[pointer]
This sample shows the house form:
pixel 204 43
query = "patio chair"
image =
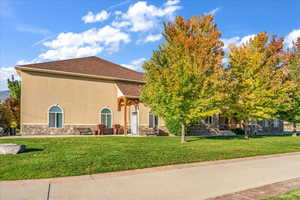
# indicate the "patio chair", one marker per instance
pixel 100 129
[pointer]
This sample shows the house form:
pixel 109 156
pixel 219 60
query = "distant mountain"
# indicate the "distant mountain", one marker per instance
pixel 4 95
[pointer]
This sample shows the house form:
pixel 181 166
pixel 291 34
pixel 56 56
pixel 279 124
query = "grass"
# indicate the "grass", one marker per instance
pixel 291 195
pixel 70 156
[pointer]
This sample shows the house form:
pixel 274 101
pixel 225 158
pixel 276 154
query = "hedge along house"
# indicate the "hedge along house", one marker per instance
pixel 64 97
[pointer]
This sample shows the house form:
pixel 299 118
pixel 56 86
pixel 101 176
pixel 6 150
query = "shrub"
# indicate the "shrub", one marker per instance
pixel 6 117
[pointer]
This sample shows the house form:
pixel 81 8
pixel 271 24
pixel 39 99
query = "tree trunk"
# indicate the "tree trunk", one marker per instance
pixel 294 129
pixel 246 128
pixel 183 133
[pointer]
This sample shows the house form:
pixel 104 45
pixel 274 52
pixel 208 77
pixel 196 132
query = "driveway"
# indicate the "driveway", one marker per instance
pixel 190 181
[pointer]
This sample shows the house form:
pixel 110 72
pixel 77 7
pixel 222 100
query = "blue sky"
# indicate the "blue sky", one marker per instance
pixel 125 32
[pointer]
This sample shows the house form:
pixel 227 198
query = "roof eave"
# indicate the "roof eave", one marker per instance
pixel 21 68
pixel 133 97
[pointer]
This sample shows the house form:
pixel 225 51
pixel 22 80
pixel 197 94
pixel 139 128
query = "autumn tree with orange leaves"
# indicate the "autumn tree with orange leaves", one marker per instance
pixel 255 86
pixel 183 75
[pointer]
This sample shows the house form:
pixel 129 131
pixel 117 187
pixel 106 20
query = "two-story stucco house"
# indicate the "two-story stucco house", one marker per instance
pixel 61 97
pixel 65 97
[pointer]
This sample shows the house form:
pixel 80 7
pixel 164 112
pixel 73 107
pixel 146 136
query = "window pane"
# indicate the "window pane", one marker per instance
pixel 108 121
pixel 58 120
pixel 151 124
pixel 51 119
pixel 103 119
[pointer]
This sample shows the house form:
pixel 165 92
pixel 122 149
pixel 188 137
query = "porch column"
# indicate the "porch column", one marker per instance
pixel 125 117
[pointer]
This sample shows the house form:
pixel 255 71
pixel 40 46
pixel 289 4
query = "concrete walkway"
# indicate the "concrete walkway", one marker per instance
pixel 190 181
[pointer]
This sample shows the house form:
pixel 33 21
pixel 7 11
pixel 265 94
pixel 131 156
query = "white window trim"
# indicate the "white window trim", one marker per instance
pixel 100 115
pixel 63 116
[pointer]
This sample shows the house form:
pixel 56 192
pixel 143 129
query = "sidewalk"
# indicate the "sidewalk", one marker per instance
pixel 188 181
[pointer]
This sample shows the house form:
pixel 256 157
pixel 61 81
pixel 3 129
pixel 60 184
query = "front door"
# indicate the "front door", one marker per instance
pixel 134 122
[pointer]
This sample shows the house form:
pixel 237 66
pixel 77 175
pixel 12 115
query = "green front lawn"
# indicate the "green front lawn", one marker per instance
pixel 292 195
pixel 70 156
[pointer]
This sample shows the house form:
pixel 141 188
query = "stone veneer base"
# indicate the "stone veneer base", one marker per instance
pixel 45 130
pixel 72 130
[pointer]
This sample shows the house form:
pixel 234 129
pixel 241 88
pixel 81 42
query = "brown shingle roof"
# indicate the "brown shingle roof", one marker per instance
pixel 129 89
pixel 89 66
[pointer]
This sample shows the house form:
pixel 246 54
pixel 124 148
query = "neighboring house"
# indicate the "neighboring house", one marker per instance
pixel 219 125
pixel 4 95
pixel 62 97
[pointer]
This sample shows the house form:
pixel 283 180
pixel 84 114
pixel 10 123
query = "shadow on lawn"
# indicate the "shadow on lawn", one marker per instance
pixel 197 138
pixel 238 137
pixel 32 150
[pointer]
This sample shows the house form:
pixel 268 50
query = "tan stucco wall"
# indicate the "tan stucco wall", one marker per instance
pixel 80 98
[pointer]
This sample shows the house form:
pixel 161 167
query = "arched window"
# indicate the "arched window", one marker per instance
pixel 106 118
pixel 55 117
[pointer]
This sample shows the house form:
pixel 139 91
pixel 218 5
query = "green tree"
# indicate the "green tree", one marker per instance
pixel 14 87
pixel 182 77
pixel 292 62
pixel 254 87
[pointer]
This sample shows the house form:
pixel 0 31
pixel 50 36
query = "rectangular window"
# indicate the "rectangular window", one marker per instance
pixel 276 123
pixel 153 121
pixel 266 123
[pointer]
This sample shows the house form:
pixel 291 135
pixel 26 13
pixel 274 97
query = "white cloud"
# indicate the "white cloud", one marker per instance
pixel 92 18
pixel 71 52
pixel 214 11
pixel 135 64
pixel 172 2
pixel 230 41
pixel 118 12
pixel 291 37
pixel 246 39
pixel 5 73
pixel 237 41
pixel 143 17
pixel 87 43
pixel 151 38
pixel 120 24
